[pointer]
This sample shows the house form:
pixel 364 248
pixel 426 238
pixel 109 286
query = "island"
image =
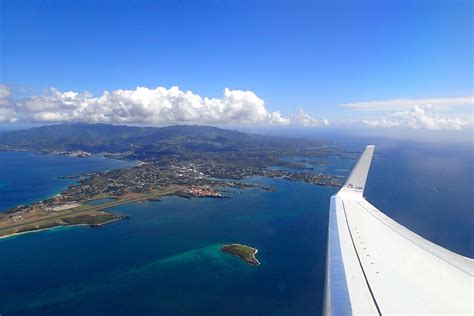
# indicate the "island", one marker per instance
pixel 244 252
pixel 185 161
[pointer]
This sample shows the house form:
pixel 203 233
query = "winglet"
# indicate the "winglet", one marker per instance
pixel 355 183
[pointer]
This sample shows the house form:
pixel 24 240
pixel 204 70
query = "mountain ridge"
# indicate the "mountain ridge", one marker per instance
pixel 148 143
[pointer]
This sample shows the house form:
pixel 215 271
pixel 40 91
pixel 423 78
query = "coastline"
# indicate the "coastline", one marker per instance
pixel 98 165
pixel 60 226
pixel 39 230
pixel 38 152
pixel 254 261
pixel 90 211
pixel 255 258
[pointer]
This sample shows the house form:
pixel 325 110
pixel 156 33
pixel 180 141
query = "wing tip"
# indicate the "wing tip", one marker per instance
pixel 356 181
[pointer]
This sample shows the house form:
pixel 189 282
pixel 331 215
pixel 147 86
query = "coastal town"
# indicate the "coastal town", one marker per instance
pixel 147 181
pixel 184 161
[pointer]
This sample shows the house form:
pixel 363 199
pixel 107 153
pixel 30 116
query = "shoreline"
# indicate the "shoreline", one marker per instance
pixel 253 262
pixel 39 230
pixel 255 258
pixel 89 210
pixel 102 155
pixel 61 226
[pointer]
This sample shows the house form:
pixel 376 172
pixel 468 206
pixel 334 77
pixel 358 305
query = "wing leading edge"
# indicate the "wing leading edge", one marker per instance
pixel 376 266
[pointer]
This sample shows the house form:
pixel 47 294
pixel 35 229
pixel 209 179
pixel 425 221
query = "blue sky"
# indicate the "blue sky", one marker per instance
pixel 313 55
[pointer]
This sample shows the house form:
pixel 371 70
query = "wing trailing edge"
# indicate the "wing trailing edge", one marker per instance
pixel 375 266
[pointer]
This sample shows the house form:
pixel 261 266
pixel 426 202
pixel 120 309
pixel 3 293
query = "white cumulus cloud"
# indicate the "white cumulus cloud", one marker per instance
pixel 7 111
pixel 7 115
pixel 423 117
pixel 4 95
pixel 148 106
pixel 301 118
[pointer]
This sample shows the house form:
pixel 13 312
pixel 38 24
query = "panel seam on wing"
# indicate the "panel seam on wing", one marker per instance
pixel 360 263
pixel 413 242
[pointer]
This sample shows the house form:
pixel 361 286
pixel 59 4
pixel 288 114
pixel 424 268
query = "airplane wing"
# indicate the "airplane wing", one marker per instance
pixel 375 266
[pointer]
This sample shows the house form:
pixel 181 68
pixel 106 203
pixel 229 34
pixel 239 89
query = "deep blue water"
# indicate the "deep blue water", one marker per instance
pixel 27 177
pixel 427 187
pixel 165 260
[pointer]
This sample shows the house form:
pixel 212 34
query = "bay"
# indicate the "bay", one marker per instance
pixel 166 259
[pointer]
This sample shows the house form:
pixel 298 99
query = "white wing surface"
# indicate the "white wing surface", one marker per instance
pixel 375 266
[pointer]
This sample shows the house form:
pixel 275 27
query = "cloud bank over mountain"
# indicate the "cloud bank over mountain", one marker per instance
pixel 146 106
pixel 162 106
pixel 153 106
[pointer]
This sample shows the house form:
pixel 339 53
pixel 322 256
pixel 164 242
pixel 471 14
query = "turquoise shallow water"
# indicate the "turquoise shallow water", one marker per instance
pixel 166 260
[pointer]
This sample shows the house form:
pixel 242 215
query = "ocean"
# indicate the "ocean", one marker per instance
pixel 26 177
pixel 166 259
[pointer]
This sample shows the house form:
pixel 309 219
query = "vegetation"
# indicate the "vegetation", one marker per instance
pixel 166 145
pixel 95 219
pixel 20 220
pixel 184 160
pixel 245 252
pixel 90 219
pixel 31 228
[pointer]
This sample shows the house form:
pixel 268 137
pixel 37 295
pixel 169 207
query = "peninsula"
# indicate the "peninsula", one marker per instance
pixel 246 253
pixel 40 216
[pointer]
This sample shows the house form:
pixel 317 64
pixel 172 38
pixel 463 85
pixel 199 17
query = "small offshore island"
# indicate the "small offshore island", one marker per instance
pixel 186 161
pixel 246 253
